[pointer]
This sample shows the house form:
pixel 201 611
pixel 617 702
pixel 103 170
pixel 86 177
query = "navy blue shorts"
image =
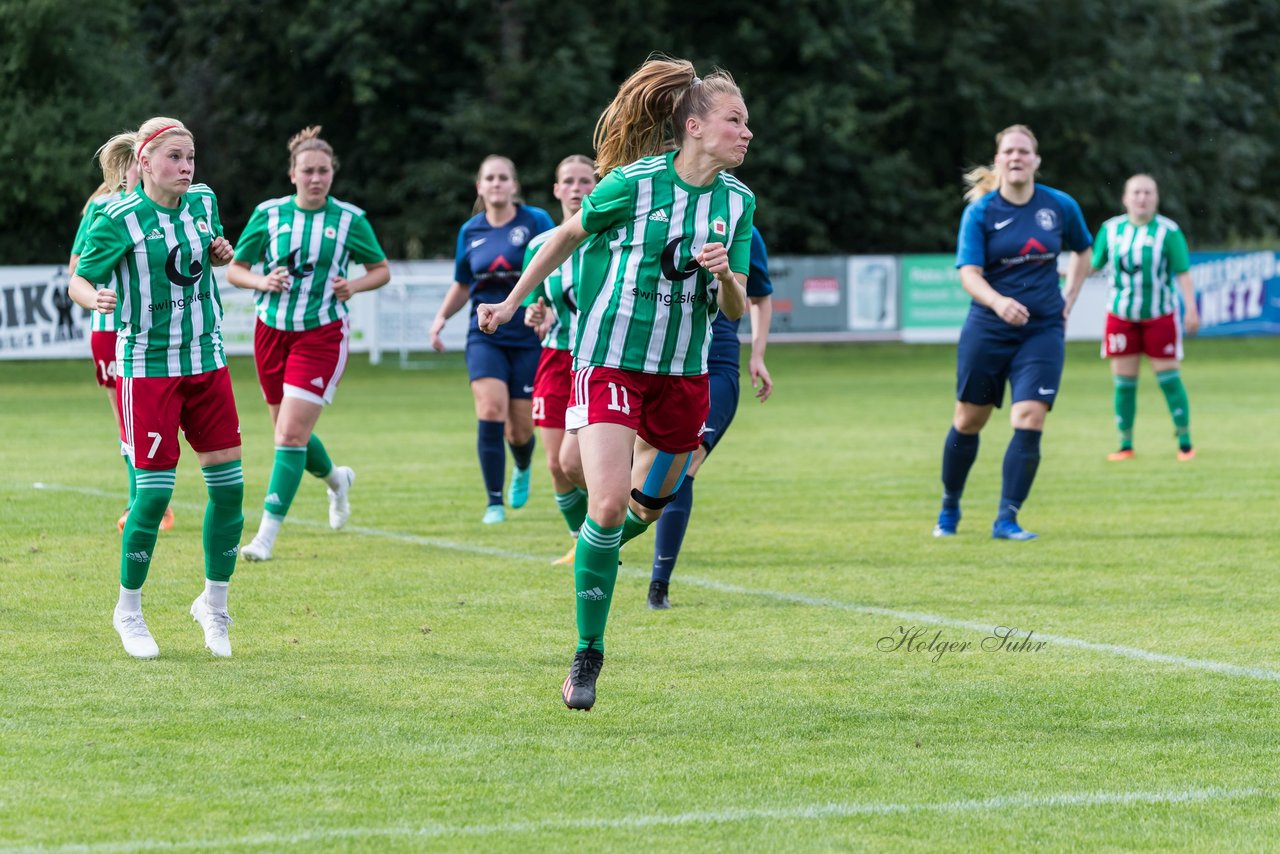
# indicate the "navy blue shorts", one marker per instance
pixel 1029 358
pixel 515 366
pixel 724 404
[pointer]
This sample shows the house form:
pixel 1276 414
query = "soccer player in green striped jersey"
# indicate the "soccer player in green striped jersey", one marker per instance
pixel 162 242
pixel 552 308
pixel 1147 253
pixel 671 249
pixel 119 178
pixel 304 242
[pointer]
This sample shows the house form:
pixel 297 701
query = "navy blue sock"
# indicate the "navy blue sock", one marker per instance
pixel 958 454
pixel 669 534
pixel 523 454
pixel 1020 463
pixel 493 459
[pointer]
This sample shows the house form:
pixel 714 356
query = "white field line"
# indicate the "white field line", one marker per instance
pixel 1220 667
pixel 803 812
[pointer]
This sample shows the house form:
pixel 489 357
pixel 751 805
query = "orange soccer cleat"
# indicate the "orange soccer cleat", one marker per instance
pixel 1188 454
pixel 166 523
pixel 1122 454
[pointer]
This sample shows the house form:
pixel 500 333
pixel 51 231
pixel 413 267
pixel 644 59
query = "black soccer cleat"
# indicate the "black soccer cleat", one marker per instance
pixel 658 600
pixel 579 689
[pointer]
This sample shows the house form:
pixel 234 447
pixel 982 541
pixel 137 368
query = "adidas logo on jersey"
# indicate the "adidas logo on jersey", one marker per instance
pixel 285 228
pixel 659 216
pixel 595 594
pixel 138 557
pixel 318 382
pixel 155 234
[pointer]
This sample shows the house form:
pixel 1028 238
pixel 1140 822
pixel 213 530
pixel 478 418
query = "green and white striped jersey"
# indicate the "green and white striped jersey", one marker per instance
pixel 559 291
pixel 315 246
pixel 99 322
pixel 645 305
pixel 168 305
pixel 1145 260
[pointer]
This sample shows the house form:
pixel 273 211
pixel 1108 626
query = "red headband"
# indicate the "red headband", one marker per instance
pixel 146 141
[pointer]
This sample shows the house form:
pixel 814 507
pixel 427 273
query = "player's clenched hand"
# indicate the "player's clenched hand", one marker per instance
pixel 1011 311
pixel 342 288
pixel 275 281
pixel 714 257
pixel 489 316
pixel 105 301
pixel 534 314
pixel 221 251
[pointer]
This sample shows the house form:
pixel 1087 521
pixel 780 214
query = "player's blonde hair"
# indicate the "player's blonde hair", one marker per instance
pixel 575 158
pixel 308 139
pixel 115 157
pixel 652 105
pixel 515 178
pixel 157 129
pixel 983 179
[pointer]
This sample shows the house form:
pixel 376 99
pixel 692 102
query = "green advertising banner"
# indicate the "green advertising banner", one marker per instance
pixel 934 304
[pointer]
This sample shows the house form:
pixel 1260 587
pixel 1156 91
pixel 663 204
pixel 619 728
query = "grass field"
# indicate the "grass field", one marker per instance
pixel 395 685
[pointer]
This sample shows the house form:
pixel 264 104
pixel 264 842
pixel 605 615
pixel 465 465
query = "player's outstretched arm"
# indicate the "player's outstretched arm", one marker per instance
pixel 553 253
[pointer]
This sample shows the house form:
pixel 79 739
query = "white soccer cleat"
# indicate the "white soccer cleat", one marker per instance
pixel 215 625
pixel 134 634
pixel 257 550
pixel 339 505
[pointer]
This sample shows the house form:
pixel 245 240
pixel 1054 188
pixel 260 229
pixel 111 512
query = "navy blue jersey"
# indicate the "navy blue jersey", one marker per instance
pixel 1017 247
pixel 489 260
pixel 724 349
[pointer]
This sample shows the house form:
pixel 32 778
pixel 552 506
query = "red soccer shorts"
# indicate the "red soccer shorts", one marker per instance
pixel 1158 338
pixel 152 409
pixel 551 388
pixel 306 365
pixel 670 413
pixel 103 347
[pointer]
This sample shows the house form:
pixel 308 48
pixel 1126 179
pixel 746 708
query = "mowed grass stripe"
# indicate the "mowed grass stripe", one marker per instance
pixel 809 812
pixel 1219 667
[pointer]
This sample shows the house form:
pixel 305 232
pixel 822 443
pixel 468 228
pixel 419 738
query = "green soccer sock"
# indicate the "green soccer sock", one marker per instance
pixel 1126 405
pixel 1175 395
pixel 223 519
pixel 633 527
pixel 133 486
pixel 286 474
pixel 573 507
pixel 154 489
pixel 595 569
pixel 318 462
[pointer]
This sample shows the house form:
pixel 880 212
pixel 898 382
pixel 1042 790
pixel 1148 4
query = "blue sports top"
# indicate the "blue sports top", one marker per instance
pixel 725 348
pixel 1017 247
pixel 488 261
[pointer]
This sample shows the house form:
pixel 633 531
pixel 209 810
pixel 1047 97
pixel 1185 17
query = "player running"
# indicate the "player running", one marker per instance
pixel 501 367
pixel 1148 252
pixel 162 242
pixel 305 243
pixel 676 232
pixel 552 306
pixel 1011 235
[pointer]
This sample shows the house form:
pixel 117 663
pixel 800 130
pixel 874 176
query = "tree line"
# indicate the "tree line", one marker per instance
pixel 866 112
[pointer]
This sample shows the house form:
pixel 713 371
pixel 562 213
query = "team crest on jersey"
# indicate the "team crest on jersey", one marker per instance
pixel 719 227
pixel 202 226
pixel 1046 219
pixel 330 232
pixel 519 236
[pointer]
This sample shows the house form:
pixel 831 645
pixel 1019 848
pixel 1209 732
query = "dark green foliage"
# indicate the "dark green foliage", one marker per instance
pixel 866 112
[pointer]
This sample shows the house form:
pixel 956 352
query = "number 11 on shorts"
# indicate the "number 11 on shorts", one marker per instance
pixel 614 389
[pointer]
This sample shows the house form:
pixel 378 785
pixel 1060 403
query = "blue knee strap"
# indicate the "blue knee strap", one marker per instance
pixel 649 496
